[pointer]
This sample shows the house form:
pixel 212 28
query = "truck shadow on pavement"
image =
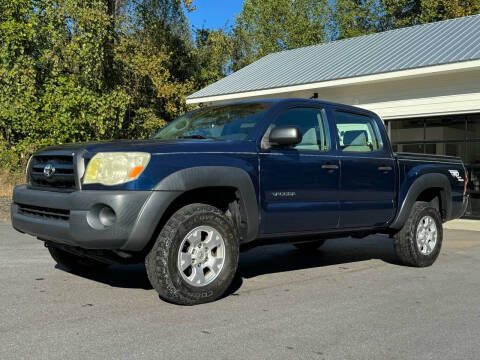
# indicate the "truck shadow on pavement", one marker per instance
pixel 269 259
pixel 285 257
pixel 121 276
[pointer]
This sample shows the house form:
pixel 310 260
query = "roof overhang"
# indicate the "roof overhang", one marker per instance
pixel 388 76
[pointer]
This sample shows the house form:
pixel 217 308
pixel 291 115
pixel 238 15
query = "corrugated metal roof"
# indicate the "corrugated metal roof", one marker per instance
pixel 418 46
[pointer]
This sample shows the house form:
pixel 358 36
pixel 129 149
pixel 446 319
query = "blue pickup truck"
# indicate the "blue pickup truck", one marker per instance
pixel 228 177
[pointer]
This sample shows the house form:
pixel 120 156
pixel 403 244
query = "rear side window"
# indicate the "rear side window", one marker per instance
pixel 312 125
pixel 357 133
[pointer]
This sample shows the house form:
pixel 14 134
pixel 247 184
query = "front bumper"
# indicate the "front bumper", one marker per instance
pixel 73 218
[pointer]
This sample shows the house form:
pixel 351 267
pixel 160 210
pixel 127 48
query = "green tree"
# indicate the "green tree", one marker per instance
pixel 356 17
pixel 155 53
pixel 18 104
pixel 266 26
pixel 77 70
pixel 401 13
pixel 213 50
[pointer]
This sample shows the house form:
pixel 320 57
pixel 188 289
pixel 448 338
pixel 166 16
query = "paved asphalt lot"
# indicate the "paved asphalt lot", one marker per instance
pixel 348 301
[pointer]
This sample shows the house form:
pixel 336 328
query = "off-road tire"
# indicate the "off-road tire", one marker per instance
pixel 161 261
pixel 405 241
pixel 310 246
pixel 75 263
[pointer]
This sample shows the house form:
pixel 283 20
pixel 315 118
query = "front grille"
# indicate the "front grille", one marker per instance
pixel 43 212
pixel 62 177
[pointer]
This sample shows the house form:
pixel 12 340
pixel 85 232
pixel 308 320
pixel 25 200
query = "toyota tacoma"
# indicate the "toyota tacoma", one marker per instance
pixel 228 177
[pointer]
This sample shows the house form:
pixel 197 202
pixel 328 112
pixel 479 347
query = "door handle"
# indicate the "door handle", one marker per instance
pixel 384 168
pixel 330 167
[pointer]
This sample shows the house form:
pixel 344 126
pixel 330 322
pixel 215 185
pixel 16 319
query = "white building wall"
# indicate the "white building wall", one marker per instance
pixel 431 94
pixel 453 93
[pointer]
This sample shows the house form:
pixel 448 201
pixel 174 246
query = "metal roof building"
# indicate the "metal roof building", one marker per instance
pixel 454 44
pixel 424 81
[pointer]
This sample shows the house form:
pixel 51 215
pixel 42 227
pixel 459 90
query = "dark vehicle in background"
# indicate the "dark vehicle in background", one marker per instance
pixel 229 177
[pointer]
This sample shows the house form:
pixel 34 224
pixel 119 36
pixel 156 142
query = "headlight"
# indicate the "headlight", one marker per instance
pixel 114 168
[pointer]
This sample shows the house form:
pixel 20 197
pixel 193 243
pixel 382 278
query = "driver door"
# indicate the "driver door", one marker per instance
pixel 299 185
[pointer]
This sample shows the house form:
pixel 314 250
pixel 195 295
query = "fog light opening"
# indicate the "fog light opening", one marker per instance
pixel 101 216
pixel 107 216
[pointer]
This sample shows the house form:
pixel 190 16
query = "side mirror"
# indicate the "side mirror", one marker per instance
pixel 285 136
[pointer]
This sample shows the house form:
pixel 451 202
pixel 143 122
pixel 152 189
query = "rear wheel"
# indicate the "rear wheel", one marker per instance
pixel 310 246
pixel 75 263
pixel 419 242
pixel 195 256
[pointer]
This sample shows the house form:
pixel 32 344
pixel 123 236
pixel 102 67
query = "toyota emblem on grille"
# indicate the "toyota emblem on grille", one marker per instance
pixel 48 171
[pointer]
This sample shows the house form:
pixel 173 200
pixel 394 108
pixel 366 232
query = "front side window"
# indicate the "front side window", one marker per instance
pixel 312 126
pixel 357 133
pixel 227 122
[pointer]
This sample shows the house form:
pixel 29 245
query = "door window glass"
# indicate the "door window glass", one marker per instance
pixel 357 133
pixel 312 126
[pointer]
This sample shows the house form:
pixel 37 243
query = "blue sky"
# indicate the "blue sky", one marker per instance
pixel 213 14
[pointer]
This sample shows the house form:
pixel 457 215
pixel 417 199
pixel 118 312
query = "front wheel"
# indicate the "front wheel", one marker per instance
pixel 195 256
pixel 419 242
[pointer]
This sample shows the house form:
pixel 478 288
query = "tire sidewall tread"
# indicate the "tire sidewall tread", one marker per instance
pixel 161 262
pixel 405 242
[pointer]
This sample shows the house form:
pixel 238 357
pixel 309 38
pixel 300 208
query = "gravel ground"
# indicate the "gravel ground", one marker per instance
pixel 351 300
pixel 5 208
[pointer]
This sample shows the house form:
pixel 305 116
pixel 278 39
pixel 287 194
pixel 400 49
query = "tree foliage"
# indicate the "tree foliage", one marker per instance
pixel 74 70
pixel 402 13
pixel 356 17
pixel 78 70
pixel 360 17
pixel 214 49
pixel 266 26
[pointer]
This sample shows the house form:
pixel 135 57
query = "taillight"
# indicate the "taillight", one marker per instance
pixel 465 184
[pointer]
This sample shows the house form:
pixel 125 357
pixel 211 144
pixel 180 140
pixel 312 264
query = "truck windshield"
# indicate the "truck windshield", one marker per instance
pixel 227 122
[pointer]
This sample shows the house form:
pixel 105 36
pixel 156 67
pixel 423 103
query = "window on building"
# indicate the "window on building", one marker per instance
pixel 473 127
pixel 411 148
pixel 445 128
pixel 445 148
pixel 407 130
pixel 454 135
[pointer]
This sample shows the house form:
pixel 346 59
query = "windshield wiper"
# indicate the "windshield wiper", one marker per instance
pixel 195 137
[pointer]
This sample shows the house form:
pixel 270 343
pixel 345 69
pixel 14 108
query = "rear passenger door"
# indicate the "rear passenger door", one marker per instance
pixel 299 185
pixel 367 180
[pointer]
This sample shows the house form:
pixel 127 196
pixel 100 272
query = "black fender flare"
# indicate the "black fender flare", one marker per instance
pixel 422 183
pixel 212 176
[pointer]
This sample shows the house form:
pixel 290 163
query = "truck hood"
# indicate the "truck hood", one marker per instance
pixel 154 146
